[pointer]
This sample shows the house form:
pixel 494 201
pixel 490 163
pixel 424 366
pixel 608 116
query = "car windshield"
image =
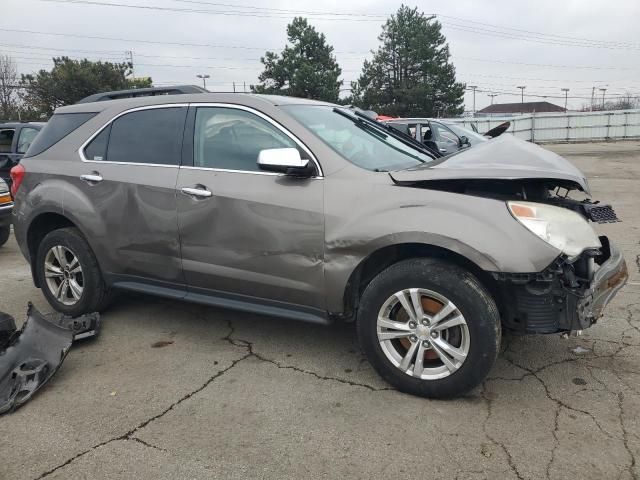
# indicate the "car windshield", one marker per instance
pixel 362 142
pixel 470 134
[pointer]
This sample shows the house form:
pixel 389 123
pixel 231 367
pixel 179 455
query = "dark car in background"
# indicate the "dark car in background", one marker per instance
pixel 15 139
pixel 6 205
pixel 443 137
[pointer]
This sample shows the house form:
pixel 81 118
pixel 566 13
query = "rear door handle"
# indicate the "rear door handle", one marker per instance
pixel 91 178
pixel 201 192
pixel 443 150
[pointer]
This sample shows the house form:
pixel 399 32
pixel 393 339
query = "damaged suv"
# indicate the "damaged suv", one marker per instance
pixel 311 211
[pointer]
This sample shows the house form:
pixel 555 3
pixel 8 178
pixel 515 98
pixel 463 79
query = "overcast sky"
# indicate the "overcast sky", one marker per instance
pixel 575 44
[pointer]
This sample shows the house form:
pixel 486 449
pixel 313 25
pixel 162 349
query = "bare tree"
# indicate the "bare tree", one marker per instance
pixel 8 87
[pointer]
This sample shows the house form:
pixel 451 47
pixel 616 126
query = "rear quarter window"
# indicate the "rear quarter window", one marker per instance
pixel 58 127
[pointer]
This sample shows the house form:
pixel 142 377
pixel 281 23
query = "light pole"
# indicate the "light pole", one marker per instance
pixel 602 90
pixel 492 95
pixel 522 87
pixel 566 96
pixel 204 77
pixel 473 88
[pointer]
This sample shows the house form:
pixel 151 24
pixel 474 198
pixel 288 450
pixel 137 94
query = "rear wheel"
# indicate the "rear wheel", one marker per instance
pixel 4 235
pixel 69 274
pixel 429 328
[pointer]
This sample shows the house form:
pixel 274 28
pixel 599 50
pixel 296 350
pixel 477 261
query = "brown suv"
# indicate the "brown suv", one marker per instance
pixel 312 211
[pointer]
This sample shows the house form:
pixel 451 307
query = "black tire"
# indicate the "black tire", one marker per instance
pixel 4 234
pixel 472 300
pixel 95 294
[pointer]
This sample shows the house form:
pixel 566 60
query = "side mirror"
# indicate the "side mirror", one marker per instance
pixel 284 160
pixel 464 141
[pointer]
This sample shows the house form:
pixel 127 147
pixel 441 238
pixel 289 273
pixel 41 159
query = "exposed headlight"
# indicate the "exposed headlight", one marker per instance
pixel 564 229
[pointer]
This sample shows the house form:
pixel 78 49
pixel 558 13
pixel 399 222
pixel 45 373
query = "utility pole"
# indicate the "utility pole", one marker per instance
pixel 234 87
pixel 522 87
pixel 473 88
pixel 566 96
pixel 204 77
pixel 129 55
pixel 492 95
pixel 593 94
pixel 244 87
pixel 602 90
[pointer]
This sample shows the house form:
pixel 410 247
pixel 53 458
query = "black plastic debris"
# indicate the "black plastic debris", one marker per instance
pixel 86 326
pixel 31 356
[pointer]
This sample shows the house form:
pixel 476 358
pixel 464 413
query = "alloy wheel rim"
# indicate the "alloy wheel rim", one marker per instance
pixel 423 334
pixel 63 275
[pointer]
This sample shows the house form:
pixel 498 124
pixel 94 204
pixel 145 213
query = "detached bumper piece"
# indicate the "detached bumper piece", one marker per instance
pixel 31 356
pixel 565 297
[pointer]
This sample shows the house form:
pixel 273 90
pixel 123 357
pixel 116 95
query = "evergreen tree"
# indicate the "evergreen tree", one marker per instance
pixel 410 73
pixel 305 68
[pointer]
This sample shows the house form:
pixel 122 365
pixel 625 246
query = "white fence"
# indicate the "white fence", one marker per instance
pixel 565 127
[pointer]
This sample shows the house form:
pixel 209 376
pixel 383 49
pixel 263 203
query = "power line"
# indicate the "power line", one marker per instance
pixel 496 31
pixel 152 42
pixel 383 16
pixel 564 37
pixel 237 13
pixel 539 95
pixel 514 36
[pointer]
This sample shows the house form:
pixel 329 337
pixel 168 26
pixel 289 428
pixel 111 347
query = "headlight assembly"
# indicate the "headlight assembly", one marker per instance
pixel 564 229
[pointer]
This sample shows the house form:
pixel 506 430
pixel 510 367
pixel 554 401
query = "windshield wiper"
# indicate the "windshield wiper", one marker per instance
pixel 387 129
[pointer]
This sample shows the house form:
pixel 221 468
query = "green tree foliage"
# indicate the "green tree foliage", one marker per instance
pixel 306 68
pixel 70 80
pixel 410 73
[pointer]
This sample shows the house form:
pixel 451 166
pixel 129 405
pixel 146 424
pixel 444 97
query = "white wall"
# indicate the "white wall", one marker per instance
pixel 564 127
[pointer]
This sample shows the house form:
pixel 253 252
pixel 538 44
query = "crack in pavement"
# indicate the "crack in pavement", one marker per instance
pixel 625 438
pixel 249 346
pixel 146 444
pixel 489 404
pixel 559 402
pixel 129 435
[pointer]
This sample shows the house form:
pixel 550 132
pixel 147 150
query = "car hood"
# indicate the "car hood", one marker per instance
pixel 503 158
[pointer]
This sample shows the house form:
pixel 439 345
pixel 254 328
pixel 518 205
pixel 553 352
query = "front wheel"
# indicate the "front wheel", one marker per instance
pixel 429 328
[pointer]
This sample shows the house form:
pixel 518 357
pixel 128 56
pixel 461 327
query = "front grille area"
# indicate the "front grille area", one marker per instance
pixel 601 213
pixel 539 313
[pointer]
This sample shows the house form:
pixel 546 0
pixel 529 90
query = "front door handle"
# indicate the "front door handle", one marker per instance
pixel 91 178
pixel 201 192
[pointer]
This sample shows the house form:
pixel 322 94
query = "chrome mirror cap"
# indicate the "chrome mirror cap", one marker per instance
pixel 281 159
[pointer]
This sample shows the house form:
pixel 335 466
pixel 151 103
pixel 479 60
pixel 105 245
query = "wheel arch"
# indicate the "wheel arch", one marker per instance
pixel 39 227
pixel 384 257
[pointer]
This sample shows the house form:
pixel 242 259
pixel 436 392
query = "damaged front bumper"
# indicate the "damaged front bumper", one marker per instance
pixel 565 297
pixel 31 356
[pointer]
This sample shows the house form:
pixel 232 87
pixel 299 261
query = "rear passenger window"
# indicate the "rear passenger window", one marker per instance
pixel 25 139
pixel 6 139
pixel 97 149
pixel 152 136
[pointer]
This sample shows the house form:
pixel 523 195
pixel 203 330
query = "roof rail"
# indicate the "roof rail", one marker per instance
pixel 143 92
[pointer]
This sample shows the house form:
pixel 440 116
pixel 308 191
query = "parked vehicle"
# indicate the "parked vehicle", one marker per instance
pixel 311 211
pixel 15 139
pixel 6 205
pixel 442 137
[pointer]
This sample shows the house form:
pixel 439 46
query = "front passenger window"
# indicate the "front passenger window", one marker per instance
pixel 231 139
